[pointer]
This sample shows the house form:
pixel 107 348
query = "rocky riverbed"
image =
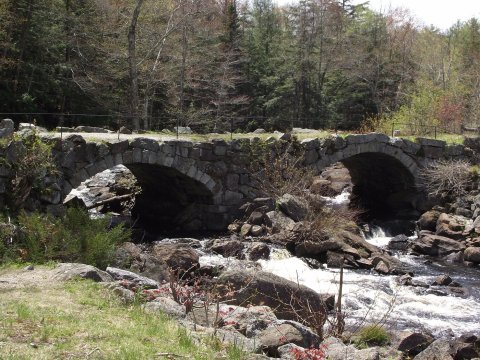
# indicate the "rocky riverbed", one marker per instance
pixel 267 280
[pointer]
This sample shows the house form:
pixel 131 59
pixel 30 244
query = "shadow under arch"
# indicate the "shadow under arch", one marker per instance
pixel 170 200
pixel 383 186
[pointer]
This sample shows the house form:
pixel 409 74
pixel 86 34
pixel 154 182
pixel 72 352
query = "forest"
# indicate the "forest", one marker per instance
pixel 219 65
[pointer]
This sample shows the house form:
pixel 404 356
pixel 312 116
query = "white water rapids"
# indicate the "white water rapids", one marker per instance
pixel 371 298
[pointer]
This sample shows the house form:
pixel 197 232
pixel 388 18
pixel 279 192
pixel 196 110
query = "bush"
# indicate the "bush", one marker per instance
pixel 447 177
pixel 74 237
pixel 372 335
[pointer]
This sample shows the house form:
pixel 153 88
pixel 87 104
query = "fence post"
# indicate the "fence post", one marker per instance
pixel 177 125
pixel 435 130
pixel 393 128
pixel 231 128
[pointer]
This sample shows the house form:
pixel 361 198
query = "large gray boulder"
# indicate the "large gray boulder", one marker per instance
pixel 280 222
pixel 90 129
pixel 7 127
pixel 435 245
pixel 293 206
pixel 69 271
pixel 411 343
pixel 288 300
pixel 131 277
pixel 179 257
pixel 438 350
pixel 249 321
pixel 285 333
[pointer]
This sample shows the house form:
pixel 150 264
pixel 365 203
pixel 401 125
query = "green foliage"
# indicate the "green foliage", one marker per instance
pixel 372 335
pixel 74 237
pixel 32 161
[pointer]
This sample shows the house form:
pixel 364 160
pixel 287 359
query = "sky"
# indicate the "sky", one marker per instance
pixel 440 13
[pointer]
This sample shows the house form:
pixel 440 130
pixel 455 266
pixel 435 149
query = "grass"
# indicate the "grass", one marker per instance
pixel 81 319
pixel 321 134
pixel 451 139
pixel 372 335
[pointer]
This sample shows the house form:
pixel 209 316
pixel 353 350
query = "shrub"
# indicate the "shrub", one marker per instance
pixel 33 162
pixel 447 177
pixel 372 335
pixel 74 237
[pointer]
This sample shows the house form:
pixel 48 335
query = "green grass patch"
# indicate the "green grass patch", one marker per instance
pixel 372 335
pixel 82 319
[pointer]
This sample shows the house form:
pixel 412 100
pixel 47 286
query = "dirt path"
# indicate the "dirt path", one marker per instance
pixel 12 279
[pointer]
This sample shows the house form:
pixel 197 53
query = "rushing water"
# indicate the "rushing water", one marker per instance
pixel 369 297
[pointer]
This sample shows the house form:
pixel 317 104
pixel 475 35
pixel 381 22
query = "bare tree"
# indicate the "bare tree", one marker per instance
pixel 133 66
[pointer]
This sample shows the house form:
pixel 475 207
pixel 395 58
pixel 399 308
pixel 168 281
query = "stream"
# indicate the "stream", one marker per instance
pixel 372 298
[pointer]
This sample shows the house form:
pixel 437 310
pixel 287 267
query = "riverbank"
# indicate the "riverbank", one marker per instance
pixel 44 317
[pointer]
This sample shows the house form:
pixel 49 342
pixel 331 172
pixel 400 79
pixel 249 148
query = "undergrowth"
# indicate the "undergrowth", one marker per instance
pixel 74 237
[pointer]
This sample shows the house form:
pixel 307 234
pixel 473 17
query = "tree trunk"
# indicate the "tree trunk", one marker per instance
pixel 133 68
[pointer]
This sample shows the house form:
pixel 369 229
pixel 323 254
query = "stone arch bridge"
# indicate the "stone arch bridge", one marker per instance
pixel 201 185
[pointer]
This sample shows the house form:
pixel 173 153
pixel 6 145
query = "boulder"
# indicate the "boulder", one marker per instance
pixel 29 126
pixel 399 242
pixel 131 277
pixel 69 271
pixel 151 267
pixel 256 230
pixel 125 130
pixel 438 350
pixel 442 280
pixel 90 129
pixel 256 218
pixel 249 321
pixel 435 245
pixel 125 255
pixel 183 130
pixel 313 249
pixel 335 349
pixel 382 268
pixel 284 333
pixel 234 228
pixel 7 128
pixel 259 131
pixel 166 306
pixel 293 206
pixel 288 300
pixel 280 222
pixel 472 254
pixel 245 230
pixel 230 336
pixel 451 226
pixel 178 257
pixel 411 343
pixel 322 187
pixel 339 178
pixel 228 248
pixel 257 251
pixel 126 296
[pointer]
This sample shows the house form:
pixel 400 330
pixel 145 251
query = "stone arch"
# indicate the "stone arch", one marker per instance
pixel 174 186
pixel 385 178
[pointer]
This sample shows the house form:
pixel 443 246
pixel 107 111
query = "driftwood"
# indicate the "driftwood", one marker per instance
pixel 110 200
